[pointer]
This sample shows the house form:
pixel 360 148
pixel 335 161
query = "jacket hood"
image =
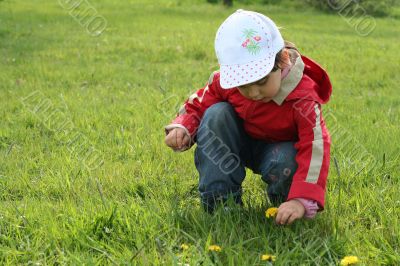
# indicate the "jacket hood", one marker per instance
pixel 314 84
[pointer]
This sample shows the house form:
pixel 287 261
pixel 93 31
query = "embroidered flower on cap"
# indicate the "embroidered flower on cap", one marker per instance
pixel 252 42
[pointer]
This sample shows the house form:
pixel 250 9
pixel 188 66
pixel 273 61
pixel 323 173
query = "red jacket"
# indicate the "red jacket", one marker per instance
pixel 294 114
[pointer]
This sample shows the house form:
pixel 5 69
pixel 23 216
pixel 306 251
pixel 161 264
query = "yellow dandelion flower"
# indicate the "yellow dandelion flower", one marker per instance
pixel 349 260
pixel 214 248
pixel 184 247
pixel 268 257
pixel 271 212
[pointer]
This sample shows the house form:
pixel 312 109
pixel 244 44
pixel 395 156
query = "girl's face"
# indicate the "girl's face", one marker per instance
pixel 264 89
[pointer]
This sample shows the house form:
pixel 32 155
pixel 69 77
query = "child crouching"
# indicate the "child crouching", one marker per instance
pixel 261 110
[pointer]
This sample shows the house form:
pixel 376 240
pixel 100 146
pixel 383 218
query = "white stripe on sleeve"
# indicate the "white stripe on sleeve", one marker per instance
pixel 317 149
pixel 194 96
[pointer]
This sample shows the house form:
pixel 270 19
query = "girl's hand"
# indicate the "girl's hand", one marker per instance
pixel 177 139
pixel 289 211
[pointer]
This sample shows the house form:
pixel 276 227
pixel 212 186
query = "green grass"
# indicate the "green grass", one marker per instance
pixel 120 89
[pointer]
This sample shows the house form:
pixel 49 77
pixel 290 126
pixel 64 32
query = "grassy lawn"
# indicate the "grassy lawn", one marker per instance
pixel 137 202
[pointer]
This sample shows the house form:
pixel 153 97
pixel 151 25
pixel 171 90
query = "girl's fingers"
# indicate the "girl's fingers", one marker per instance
pixel 179 136
pixel 292 218
pixel 282 216
pixel 167 138
pixel 186 140
pixel 285 217
pixel 171 139
pixel 278 217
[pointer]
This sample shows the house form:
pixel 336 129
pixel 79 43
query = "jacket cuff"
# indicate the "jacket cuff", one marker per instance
pixel 311 207
pixel 172 126
pixel 189 122
pixel 302 189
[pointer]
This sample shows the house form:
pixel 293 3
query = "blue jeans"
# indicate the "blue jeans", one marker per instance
pixel 223 151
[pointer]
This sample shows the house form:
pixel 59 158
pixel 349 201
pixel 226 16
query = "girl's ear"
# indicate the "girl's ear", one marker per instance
pixel 285 61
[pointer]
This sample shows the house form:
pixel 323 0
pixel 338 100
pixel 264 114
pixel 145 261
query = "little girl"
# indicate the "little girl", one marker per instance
pixel 261 110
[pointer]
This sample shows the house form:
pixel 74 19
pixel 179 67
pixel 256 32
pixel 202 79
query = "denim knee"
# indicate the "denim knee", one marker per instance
pixel 216 115
pixel 279 161
pixel 278 169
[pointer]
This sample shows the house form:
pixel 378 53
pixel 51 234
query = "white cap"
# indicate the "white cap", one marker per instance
pixel 246 45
